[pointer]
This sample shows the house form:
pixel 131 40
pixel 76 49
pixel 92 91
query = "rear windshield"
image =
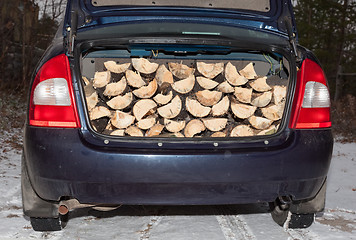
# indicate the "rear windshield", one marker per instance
pixel 253 5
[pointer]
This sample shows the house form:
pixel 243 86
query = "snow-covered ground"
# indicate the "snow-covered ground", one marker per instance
pixel 192 222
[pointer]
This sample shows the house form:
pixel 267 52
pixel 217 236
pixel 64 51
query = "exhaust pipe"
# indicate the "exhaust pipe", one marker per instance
pixel 68 205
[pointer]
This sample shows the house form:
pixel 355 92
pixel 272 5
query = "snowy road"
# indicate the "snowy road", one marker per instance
pixel 245 222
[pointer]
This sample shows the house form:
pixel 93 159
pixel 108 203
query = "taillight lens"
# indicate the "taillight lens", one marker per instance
pixel 311 104
pixel 52 98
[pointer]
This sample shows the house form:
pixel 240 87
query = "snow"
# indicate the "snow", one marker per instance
pixel 247 222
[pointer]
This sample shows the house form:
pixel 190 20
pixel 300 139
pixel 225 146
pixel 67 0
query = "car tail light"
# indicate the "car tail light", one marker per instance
pixel 311 104
pixel 52 98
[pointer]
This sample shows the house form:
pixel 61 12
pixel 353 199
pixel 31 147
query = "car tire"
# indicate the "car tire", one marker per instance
pixel 46 224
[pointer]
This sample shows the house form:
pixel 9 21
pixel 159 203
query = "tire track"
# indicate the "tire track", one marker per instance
pixel 233 226
pixel 146 232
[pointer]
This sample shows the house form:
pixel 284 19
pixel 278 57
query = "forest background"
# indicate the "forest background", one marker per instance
pixel 327 27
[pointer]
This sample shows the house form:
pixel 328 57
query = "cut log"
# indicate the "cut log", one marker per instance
pixel 242 111
pixel 122 120
pixel 163 75
pixel 144 66
pixel 117 88
pixel 243 94
pixel 208 98
pixel 248 71
pixel 120 102
pixel 218 134
pixel 215 124
pixel 184 86
pixel 221 107
pixel 260 122
pixel 206 83
pixel 101 79
pixel 172 109
pixel 242 131
pixel 225 87
pixel 193 127
pixel 155 130
pixel 109 126
pixel 85 80
pixel 195 108
pixel 274 112
pixel 99 112
pixel 260 85
pixel 180 70
pixel 279 94
pixel 134 79
pixel 118 132
pixel 134 131
pixel 143 107
pixel 271 130
pixel 172 135
pixel 233 77
pixel 116 68
pixel 262 100
pixel 146 123
pixel 174 126
pixel 210 70
pixel 92 100
pixel 163 99
pixel 147 91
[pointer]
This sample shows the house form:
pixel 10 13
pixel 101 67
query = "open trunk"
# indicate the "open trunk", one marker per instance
pixel 185 93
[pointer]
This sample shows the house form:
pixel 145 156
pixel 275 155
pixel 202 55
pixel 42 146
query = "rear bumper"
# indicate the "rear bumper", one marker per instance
pixel 60 163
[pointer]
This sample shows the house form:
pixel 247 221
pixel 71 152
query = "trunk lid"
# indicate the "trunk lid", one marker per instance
pixel 263 15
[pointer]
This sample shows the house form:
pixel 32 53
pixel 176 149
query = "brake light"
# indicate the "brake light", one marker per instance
pixel 52 97
pixel 311 104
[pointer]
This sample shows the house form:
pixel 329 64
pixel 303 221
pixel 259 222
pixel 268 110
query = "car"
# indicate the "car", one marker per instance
pixel 176 103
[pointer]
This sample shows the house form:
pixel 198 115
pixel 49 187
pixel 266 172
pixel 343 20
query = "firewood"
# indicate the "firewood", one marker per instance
pixel 243 94
pixel 206 83
pixel 218 134
pixel 274 112
pixel 221 107
pixel 174 126
pixel 262 100
pixel 143 107
pixel 118 132
pixel 195 108
pixel 99 112
pixel 116 68
pixel 146 123
pixel 248 71
pixel 117 88
pixel 279 94
pixel 144 66
pixel 184 86
pixel 260 85
pixel 208 98
pixel 172 135
pixel 180 70
pixel 271 130
pixel 242 111
pixel 134 79
pixel 85 80
pixel 193 127
pixel 155 130
pixel 92 100
pixel 122 120
pixel 233 77
pixel 260 122
pixel 163 75
pixel 225 87
pixel 147 91
pixel 241 131
pixel 163 99
pixel 120 102
pixel 134 131
pixel 101 79
pixel 215 124
pixel 109 126
pixel 210 70
pixel 172 109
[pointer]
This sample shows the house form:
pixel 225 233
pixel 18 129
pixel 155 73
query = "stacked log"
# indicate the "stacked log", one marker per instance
pixel 142 98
